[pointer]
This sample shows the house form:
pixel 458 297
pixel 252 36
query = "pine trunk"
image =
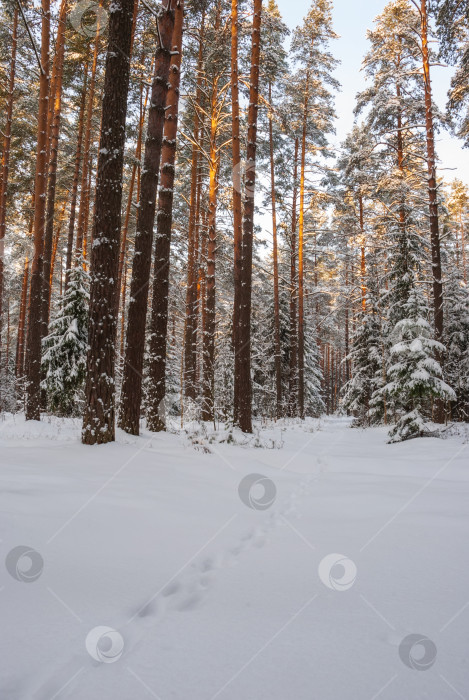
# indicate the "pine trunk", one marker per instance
pixel 190 334
pixel 98 420
pixel 22 322
pixel 208 412
pixel 55 107
pixel 33 393
pixel 6 161
pixel 278 351
pixel 301 331
pixel 237 203
pixel 293 383
pixel 164 219
pixel 243 351
pixel 131 397
pixel 76 177
pixel 433 201
pixel 83 212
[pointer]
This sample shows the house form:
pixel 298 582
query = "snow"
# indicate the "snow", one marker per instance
pixel 154 577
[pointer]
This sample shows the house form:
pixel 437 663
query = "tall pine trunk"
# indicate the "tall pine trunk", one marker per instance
pixel 301 224
pixel 98 420
pixel 190 333
pixel 237 202
pixel 22 321
pixel 433 200
pixel 131 397
pixel 293 380
pixel 164 219
pixel 243 351
pixel 55 108
pixel 6 161
pixel 83 211
pixel 76 178
pixel 33 391
pixel 278 352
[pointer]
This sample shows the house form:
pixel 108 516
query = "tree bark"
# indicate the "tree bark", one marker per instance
pixel 83 212
pixel 22 321
pixel 190 339
pixel 6 161
pixel 301 331
pixel 293 383
pixel 243 351
pixel 76 177
pixel 278 351
pixel 131 397
pixel 208 412
pixel 98 420
pixel 164 219
pixel 433 201
pixel 33 392
pixel 237 203
pixel 55 108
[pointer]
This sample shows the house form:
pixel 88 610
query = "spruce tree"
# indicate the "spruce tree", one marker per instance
pixel 64 349
pixel 415 377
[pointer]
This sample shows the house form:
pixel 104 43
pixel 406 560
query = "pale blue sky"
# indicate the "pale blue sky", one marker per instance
pixel 351 20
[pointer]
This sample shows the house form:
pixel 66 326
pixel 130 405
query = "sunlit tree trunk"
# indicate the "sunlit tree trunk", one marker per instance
pixel 190 339
pixel 301 220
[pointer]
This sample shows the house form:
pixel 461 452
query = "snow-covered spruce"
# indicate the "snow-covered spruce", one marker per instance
pixel 415 377
pixel 64 350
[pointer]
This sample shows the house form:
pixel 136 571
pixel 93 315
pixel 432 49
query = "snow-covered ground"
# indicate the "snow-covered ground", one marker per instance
pixel 214 587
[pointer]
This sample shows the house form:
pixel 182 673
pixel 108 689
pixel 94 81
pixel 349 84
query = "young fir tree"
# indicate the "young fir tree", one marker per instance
pixel 457 343
pixel 64 349
pixel 415 377
pixel 366 362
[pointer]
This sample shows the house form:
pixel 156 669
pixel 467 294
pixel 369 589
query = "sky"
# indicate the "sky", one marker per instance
pixel 351 20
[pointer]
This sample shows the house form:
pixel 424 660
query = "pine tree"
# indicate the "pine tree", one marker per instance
pixel 453 33
pixel 64 349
